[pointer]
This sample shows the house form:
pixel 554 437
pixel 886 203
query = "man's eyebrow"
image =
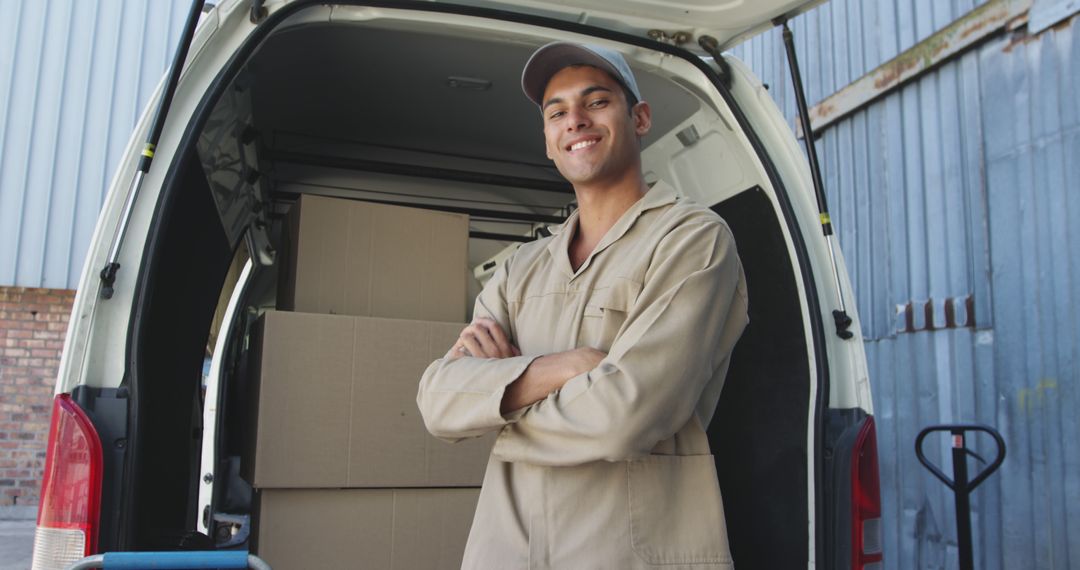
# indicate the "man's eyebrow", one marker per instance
pixel 593 89
pixel 584 93
pixel 551 102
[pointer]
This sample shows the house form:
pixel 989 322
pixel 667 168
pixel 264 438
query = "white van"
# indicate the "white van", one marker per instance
pixel 419 104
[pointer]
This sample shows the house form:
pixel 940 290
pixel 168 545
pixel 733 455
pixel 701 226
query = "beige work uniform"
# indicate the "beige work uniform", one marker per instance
pixel 614 470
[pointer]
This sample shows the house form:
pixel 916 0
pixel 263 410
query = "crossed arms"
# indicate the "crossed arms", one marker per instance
pixel 484 338
pixel 582 405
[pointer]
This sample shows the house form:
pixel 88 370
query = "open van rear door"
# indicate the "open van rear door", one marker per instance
pixel 728 21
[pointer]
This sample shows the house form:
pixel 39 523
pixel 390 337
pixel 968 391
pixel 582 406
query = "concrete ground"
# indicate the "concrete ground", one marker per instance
pixel 16 544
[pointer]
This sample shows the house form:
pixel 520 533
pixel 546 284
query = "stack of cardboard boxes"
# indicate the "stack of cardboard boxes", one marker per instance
pixel 346 476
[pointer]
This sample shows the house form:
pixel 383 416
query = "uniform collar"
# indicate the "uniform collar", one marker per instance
pixel 661 194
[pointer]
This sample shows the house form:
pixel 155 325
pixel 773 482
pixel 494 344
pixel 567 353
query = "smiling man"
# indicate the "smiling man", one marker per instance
pixel 598 353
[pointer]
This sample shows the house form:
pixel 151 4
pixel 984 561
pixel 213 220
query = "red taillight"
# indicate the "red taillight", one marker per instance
pixel 865 500
pixel 70 489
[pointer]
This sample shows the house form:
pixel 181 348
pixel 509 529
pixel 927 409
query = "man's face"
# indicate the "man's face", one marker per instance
pixel 589 131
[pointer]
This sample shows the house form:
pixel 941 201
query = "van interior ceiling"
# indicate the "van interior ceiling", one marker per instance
pixel 416 114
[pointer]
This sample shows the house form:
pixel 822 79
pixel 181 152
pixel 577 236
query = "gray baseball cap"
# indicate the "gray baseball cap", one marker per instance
pixel 551 58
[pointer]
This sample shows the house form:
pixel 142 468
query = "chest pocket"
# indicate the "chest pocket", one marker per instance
pixel 605 313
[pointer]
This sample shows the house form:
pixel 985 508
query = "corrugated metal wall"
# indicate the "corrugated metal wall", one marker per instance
pixel 74 76
pixel 963 182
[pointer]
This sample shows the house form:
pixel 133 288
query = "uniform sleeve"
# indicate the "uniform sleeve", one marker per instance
pixel 678 334
pixel 461 398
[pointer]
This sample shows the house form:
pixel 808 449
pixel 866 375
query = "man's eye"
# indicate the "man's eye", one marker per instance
pixel 556 114
pixel 598 103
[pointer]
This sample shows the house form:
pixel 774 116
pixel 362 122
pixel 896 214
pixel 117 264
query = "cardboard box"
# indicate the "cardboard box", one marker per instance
pixel 374 529
pixel 337 405
pixel 345 257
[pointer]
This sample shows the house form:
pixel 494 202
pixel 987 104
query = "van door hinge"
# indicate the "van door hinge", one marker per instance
pixel 676 38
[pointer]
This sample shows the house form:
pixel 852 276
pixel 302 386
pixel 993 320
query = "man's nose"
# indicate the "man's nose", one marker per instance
pixel 579 119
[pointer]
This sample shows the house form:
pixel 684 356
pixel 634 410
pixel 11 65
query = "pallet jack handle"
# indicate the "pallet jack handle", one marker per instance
pixel 959 483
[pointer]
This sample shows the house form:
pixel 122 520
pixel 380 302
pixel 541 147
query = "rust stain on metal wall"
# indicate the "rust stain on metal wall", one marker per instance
pixel 950 42
pixel 930 315
pixel 1020 35
pixel 922 56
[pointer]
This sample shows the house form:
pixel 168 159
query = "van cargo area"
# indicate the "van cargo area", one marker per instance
pixel 394 108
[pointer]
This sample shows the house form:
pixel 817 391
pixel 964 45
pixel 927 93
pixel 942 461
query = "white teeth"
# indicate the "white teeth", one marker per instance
pixel 582 144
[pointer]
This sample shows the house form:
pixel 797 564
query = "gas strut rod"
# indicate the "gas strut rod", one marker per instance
pixel 112 265
pixel 843 321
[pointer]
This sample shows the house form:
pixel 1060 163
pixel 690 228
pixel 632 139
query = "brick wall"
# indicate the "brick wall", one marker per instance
pixel 32 327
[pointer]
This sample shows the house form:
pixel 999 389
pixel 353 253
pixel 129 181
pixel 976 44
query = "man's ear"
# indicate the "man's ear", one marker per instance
pixel 642 115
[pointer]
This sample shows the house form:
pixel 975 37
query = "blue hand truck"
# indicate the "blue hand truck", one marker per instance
pixel 171 560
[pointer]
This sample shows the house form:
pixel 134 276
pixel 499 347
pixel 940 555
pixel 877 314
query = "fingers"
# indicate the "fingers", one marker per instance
pixel 473 346
pixel 490 344
pixel 484 338
pixel 456 351
pixel 497 336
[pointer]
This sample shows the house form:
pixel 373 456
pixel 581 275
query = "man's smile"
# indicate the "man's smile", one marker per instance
pixel 582 143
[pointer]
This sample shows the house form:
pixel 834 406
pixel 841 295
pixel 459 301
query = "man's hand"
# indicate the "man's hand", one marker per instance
pixel 484 338
pixel 547 374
